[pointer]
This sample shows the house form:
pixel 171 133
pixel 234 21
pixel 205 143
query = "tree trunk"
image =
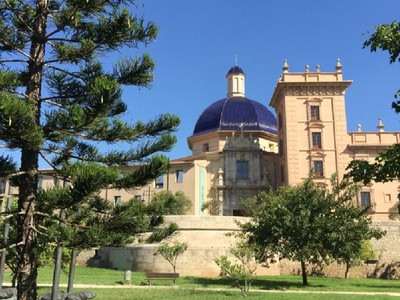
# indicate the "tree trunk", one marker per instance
pixel 304 272
pixel 71 273
pixel 58 262
pixel 27 261
pixel 27 239
pixel 346 273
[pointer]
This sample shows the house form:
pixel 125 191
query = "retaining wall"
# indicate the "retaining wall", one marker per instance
pixel 206 238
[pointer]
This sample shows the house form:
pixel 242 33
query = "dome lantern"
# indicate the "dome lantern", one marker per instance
pixel 235 81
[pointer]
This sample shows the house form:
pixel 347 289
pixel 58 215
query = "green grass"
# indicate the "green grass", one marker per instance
pixel 264 287
pixel 295 283
pixel 85 275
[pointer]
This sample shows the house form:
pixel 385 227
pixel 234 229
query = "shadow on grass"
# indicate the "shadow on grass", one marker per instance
pixel 281 285
pixel 259 283
pixel 374 287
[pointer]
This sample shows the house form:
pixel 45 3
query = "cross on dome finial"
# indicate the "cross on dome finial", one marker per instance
pixel 235 59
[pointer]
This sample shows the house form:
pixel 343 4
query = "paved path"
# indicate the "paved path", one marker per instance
pixel 96 286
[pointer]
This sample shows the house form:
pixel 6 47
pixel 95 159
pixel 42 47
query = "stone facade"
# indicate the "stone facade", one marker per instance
pixel 312 123
pixel 206 237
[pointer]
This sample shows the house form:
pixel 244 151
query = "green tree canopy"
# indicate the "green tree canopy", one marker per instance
pixel 386 167
pixel 350 225
pixel 60 103
pixel 168 203
pixel 301 223
pixel 171 252
pixel 386 37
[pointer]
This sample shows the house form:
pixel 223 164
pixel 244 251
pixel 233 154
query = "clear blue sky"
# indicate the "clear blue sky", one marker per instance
pixel 198 41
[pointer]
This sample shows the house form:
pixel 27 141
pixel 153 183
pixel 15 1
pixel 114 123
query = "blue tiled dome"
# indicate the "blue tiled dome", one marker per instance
pixel 230 113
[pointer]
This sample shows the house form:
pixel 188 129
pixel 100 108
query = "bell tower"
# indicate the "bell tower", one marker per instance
pixel 312 130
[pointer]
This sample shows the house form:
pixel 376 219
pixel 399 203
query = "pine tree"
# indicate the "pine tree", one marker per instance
pixel 58 102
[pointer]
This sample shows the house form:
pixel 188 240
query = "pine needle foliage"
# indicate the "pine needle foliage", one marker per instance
pixel 60 102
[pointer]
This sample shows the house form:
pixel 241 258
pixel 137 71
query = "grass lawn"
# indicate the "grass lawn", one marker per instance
pixel 264 287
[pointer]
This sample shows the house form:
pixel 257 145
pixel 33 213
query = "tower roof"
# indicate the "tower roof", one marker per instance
pixel 235 70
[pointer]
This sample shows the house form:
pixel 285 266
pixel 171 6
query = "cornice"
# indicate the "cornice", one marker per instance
pixel 368 146
pixel 306 89
pixel 223 134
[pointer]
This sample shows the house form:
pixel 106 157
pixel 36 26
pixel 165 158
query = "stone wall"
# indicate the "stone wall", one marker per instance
pixel 387 250
pixel 206 237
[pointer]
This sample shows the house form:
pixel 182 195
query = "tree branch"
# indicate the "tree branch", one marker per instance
pixel 10 246
pixel 47 65
pixel 13 61
pixel 49 162
pixel 48 101
pixel 18 15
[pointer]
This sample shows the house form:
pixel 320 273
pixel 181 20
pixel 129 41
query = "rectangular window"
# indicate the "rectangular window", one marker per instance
pixel 242 169
pixel 280 147
pixel 206 147
pixel 316 140
pixel 318 168
pixel 40 183
pixel 314 109
pixel 179 176
pixel 388 198
pixel 160 182
pixel 365 199
pixel 117 200
pixel 11 189
pixel 3 186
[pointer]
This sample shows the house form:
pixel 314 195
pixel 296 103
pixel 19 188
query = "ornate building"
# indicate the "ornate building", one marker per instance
pixel 239 148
